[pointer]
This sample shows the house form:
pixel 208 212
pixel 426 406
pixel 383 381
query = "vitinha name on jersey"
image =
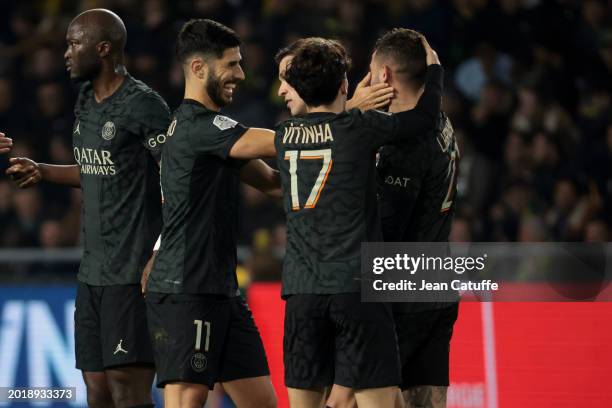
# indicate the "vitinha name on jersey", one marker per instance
pixel 92 161
pixel 308 134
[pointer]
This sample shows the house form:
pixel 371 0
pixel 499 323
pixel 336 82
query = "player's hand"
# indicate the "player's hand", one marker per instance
pixel 431 55
pixel 368 96
pixel 24 172
pixel 5 143
pixel 146 272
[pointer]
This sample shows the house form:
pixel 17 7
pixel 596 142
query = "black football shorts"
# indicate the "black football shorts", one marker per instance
pixel 337 339
pixel 424 344
pixel 204 339
pixel 110 327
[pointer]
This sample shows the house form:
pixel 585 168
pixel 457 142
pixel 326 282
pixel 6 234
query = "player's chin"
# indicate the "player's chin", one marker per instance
pixel 75 77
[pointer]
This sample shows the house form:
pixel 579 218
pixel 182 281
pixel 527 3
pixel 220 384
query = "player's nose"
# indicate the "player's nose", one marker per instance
pixel 240 74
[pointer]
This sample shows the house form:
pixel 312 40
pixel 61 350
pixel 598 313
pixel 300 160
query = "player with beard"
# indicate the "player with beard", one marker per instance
pixel 326 160
pixel 416 189
pixel 419 210
pixel 201 328
pixel 117 138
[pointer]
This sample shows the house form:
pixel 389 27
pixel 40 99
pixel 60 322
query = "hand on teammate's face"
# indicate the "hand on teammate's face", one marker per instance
pixel 24 172
pixel 5 143
pixel 369 96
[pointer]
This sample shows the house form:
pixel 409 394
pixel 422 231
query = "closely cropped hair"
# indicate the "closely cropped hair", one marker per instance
pixel 206 37
pixel 317 69
pixel 406 49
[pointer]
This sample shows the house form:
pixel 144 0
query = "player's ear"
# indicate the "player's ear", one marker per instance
pixel 385 74
pixel 344 86
pixel 198 68
pixel 104 48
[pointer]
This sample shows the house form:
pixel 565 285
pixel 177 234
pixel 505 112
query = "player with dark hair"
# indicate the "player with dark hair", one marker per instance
pixel 365 97
pixel 117 138
pixel 201 328
pixel 326 160
pixel 417 186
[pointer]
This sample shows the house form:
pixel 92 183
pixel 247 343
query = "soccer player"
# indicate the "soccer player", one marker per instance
pixel 117 136
pixel 417 186
pixel 201 328
pixel 326 159
pixel 365 97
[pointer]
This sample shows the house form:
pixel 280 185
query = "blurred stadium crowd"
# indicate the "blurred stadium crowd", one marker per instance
pixel 528 88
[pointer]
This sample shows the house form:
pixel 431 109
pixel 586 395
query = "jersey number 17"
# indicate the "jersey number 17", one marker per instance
pixel 293 156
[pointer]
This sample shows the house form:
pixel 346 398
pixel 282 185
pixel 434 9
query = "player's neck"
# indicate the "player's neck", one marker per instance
pixel 405 99
pixel 107 82
pixel 337 106
pixel 198 94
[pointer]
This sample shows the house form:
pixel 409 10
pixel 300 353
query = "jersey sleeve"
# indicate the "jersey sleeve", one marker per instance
pixel 402 127
pixel 152 118
pixel 220 134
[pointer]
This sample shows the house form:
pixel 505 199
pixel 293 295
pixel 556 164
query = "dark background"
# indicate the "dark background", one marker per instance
pixel 528 89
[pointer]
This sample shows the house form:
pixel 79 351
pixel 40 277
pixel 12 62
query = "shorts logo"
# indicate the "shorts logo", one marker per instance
pixel 198 362
pixel 108 131
pixel 223 122
pixel 120 348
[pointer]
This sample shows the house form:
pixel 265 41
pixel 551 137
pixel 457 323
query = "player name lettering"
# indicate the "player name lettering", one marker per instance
pixel 92 161
pixel 308 134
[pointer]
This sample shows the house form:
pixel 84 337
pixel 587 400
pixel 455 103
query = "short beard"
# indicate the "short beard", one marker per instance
pixel 213 88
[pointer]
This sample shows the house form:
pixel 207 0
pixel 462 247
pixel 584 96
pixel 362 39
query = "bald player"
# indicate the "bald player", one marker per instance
pixel 117 136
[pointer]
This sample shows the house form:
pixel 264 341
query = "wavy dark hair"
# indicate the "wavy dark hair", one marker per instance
pixel 317 69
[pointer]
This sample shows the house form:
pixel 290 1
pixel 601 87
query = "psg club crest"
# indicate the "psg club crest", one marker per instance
pixel 198 362
pixel 108 131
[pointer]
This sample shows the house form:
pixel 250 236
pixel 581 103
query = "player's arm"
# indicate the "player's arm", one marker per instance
pixel 152 118
pixel 5 143
pixel 253 144
pixel 149 266
pixel 368 96
pixel 27 173
pixel 423 117
pixel 256 173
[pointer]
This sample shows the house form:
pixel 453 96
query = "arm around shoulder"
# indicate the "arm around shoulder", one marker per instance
pixel 253 144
